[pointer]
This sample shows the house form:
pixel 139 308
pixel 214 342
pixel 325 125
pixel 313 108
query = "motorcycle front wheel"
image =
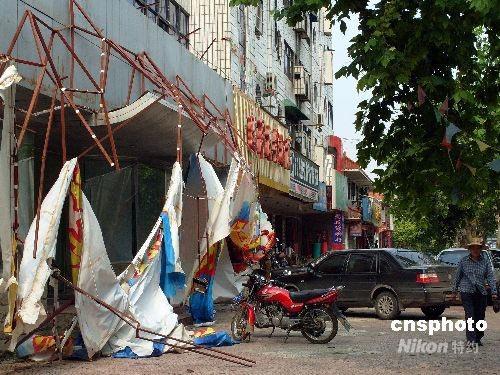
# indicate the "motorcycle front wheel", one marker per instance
pixel 319 325
pixel 239 324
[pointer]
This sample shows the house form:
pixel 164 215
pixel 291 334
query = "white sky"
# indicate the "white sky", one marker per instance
pixel 345 95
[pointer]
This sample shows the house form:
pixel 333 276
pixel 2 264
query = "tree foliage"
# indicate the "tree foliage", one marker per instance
pixel 450 49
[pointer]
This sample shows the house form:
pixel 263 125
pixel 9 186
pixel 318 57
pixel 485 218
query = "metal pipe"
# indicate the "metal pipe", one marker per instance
pixel 56 273
pixel 47 320
pixel 42 171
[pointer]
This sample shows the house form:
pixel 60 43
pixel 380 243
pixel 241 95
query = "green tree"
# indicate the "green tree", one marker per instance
pixel 448 50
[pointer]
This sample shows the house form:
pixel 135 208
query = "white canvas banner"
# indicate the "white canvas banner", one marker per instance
pixel 220 228
pixel 147 302
pixel 227 284
pixel 34 272
pixel 96 277
pixel 8 95
pixel 219 209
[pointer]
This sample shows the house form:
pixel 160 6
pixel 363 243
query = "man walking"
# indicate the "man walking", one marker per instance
pixel 470 278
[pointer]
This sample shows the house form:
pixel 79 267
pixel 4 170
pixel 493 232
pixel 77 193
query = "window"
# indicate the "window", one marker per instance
pixel 259 18
pixel 330 114
pixel 277 41
pixel 361 263
pixel 173 19
pixel 332 265
pixel 352 191
pixel 385 265
pixel 334 154
pixel 409 258
pixel 452 257
pixel 178 21
pixel 289 57
pixel 315 95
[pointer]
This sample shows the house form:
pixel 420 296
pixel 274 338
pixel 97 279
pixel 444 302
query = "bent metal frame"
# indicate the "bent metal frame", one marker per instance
pixel 202 111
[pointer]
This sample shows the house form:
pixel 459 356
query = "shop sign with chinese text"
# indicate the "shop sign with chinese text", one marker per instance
pixel 304 178
pixel 338 227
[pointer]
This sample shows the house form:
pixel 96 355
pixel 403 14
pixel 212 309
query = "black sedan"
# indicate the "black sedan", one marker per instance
pixel 388 279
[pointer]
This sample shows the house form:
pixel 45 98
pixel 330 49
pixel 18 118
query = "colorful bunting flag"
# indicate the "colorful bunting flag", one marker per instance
pixel 471 169
pixel 451 130
pixel 482 146
pixel 444 107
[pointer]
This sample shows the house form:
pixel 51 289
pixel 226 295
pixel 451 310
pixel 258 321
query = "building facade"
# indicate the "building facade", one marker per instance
pixel 282 75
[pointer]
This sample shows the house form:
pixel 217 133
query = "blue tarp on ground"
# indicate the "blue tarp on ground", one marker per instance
pixel 158 349
pixel 221 338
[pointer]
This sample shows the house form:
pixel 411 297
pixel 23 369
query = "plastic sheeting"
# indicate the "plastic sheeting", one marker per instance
pixel 112 198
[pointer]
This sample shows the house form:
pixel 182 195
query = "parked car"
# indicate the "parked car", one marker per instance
pixel 388 279
pixel 452 256
pixel 495 257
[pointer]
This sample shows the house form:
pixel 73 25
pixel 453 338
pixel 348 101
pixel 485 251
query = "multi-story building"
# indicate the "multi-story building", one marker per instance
pixel 146 147
pixel 282 74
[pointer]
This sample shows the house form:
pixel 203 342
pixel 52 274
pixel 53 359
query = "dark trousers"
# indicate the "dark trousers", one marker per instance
pixel 475 308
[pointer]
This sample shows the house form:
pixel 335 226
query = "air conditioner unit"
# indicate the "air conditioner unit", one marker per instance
pixel 271 84
pixel 301 83
pixel 302 28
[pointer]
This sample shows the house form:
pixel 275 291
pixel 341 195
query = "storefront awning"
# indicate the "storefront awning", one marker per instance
pixel 359 177
pixel 293 113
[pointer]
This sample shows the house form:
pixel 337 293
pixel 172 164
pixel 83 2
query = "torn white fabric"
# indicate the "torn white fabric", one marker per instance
pixel 219 209
pixel 9 77
pixel 96 277
pixel 213 187
pixel 141 280
pixel 173 208
pixel 34 272
pixel 227 284
pixel 221 228
pixel 147 304
pixel 8 95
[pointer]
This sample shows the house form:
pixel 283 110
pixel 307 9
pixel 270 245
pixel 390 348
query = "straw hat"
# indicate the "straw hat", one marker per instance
pixel 474 237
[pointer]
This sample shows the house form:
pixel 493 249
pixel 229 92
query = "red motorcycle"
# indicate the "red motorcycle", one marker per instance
pixel 265 304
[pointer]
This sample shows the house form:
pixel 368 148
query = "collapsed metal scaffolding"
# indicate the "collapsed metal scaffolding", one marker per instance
pixel 202 111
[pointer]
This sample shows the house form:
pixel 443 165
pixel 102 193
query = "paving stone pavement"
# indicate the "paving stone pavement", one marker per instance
pixel 370 348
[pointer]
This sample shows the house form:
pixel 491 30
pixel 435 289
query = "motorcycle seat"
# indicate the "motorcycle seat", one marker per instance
pixel 305 295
